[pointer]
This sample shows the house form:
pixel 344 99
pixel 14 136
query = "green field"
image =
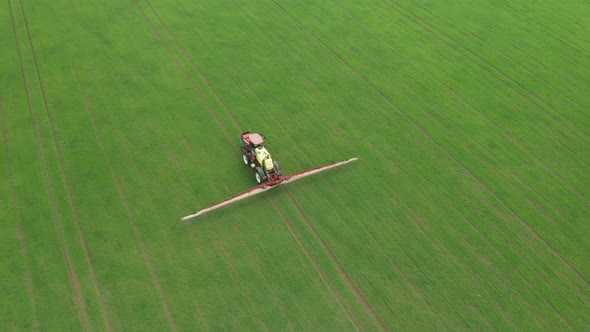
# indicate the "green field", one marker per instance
pixel 469 208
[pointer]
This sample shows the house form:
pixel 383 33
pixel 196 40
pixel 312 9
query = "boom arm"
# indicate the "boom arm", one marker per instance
pixel 266 186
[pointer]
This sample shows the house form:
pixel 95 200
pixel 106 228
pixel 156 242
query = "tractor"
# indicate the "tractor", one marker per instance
pixel 255 154
pixel 268 172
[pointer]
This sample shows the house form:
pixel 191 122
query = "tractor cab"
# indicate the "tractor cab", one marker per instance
pixel 252 140
pixel 253 148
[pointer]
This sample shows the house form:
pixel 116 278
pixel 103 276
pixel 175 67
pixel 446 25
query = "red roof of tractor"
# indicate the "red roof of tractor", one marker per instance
pixel 255 139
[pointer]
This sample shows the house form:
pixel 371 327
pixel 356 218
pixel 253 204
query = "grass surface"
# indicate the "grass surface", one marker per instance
pixel 469 208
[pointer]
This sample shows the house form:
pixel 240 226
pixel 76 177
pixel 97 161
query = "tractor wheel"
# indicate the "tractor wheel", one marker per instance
pixel 259 175
pixel 245 158
pixel 277 168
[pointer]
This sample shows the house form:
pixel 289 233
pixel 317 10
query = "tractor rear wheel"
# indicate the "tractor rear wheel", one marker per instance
pixel 245 158
pixel 259 175
pixel 277 168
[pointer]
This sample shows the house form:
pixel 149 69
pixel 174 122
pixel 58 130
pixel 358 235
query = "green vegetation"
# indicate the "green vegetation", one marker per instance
pixel 468 209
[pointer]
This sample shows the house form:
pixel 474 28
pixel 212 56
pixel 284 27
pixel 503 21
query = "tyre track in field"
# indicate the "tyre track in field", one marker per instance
pixel 447 250
pixel 429 137
pixel 184 180
pixel 172 157
pixel 565 147
pixel 229 113
pixel 425 234
pixel 189 59
pixel 539 255
pixel 479 111
pixel 514 141
pixel 201 318
pixel 273 291
pixel 416 219
pixel 218 242
pixel 126 205
pixel 196 239
pixel 19 231
pixel 557 313
pixel 524 223
pixel 316 264
pixel 573 45
pixel 415 290
pixel 568 81
pixel 356 291
pixel 237 281
pixel 145 252
pixel 413 287
pixel 65 177
pixel 195 89
pixel 194 236
pixel 334 259
pixel 389 261
pixel 443 82
pixel 308 159
pixel 263 272
pixel 306 251
pixel 533 287
pixel 506 136
pixel 446 57
pixel 73 279
pixel 492 69
pixel 517 143
pixel 533 74
pixel 565 79
pixel 470 35
pixel 336 263
pixel 336 192
pixel 127 146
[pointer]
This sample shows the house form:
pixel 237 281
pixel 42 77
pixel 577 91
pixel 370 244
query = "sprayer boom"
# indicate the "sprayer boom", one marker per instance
pixel 271 183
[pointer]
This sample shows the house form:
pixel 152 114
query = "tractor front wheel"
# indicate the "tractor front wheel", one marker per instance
pixel 245 158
